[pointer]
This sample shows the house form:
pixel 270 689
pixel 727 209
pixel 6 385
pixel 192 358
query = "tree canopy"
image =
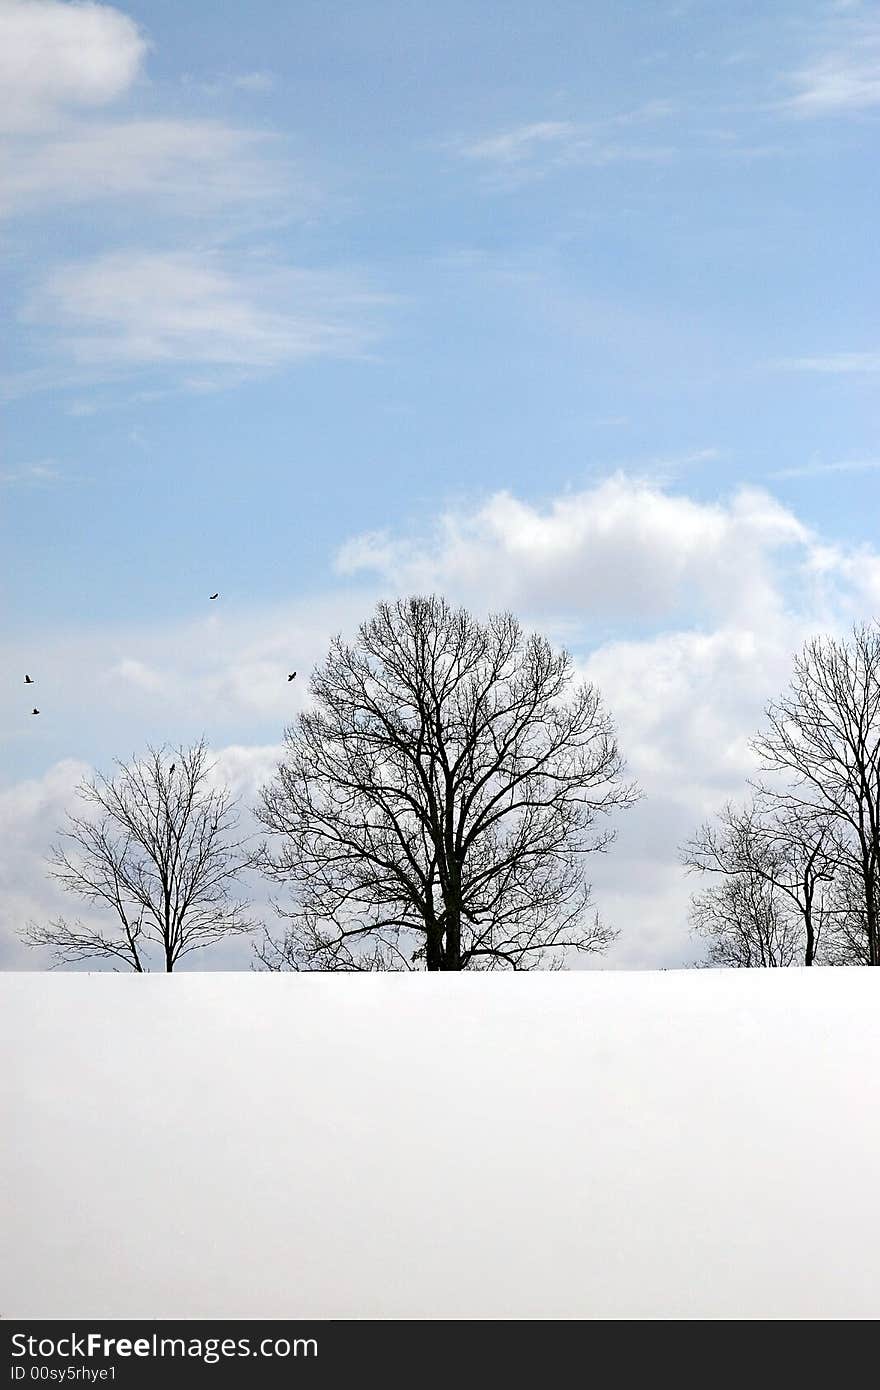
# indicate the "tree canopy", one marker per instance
pixel 438 800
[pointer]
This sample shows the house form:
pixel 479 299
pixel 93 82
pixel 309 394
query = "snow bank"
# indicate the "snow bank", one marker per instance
pixel 696 1144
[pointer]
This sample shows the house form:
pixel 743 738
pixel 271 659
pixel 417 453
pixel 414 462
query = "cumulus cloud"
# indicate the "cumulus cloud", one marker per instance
pixel 623 547
pixel 56 57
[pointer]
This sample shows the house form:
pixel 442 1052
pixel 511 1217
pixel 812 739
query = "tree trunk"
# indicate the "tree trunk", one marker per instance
pixel 452 952
pixel 810 952
pixel 434 950
pixel 871 917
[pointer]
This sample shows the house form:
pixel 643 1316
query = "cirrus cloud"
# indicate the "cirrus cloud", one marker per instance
pixel 190 165
pixel 143 308
pixel 844 79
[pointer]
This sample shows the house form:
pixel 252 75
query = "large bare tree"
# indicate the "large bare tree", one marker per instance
pixel 824 736
pixel 437 802
pixel 157 848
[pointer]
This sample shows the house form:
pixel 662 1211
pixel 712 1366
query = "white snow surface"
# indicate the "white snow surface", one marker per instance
pixel 695 1144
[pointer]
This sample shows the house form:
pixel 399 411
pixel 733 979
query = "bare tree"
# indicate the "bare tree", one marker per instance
pixel 436 804
pixel 825 736
pixel 848 937
pixel 745 923
pixel 779 867
pixel 156 847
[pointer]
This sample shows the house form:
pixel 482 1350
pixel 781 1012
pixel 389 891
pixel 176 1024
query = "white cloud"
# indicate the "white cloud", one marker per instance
pixel 533 149
pixel 166 301
pixel 56 57
pixel 834 364
pixel 221 672
pixel 621 547
pixel 138 675
pixel 34 474
pixel 685 703
pixel 513 146
pixel 30 813
pixel 245 769
pixel 254 81
pixel 814 470
pixel 60 65
pixel 181 165
pixel 845 78
pixel 258 81
pixel 859 568
pixel 142 308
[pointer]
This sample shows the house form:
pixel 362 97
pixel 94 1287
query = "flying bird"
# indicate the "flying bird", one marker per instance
pixel 28 681
pixel 217 595
pixel 35 710
pixel 291 676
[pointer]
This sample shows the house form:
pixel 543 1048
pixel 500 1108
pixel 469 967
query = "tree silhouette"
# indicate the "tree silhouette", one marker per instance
pixel 436 803
pixel 157 848
pixel 772 903
pixel 824 735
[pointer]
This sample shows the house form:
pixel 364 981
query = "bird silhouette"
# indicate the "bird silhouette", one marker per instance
pixel 217 595
pixel 35 710
pixel 291 676
pixel 171 769
pixel 28 681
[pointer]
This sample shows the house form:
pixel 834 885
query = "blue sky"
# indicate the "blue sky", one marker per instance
pixel 297 295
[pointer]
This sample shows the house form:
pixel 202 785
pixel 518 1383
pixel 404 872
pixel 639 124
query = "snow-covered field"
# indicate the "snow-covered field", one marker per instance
pixel 695 1144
